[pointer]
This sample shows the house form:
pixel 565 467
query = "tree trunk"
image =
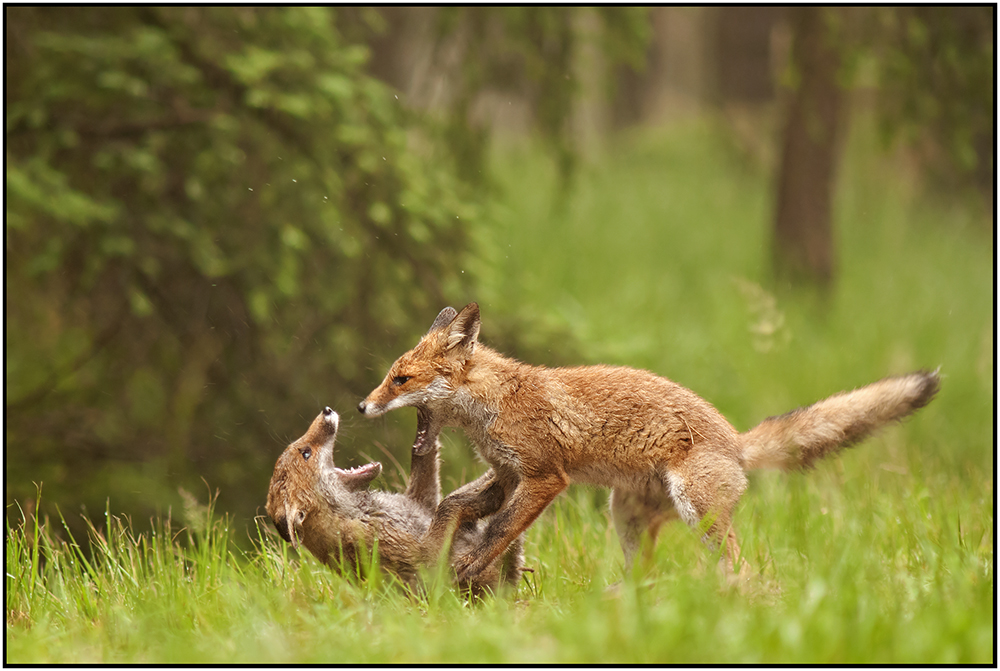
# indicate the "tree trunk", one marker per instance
pixel 743 53
pixel 803 236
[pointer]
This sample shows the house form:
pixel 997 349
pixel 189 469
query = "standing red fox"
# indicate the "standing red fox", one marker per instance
pixel 664 450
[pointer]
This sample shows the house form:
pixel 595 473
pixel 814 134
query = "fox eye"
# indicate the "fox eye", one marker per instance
pixel 306 453
pixel 401 379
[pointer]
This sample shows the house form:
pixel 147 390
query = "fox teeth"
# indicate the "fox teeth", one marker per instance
pixel 357 469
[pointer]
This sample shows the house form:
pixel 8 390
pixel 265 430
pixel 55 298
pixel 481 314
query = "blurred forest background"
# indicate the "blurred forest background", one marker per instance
pixel 219 220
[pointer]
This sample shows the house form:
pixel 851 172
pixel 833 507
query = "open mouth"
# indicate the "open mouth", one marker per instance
pixel 359 470
pixel 360 476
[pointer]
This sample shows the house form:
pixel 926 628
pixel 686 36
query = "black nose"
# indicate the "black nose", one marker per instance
pixel 327 411
pixel 361 407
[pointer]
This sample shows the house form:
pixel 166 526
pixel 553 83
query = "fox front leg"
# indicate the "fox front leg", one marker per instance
pixel 424 486
pixel 527 502
pixel 470 502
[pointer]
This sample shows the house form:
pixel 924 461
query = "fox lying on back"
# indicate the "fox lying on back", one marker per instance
pixel 665 451
pixel 338 518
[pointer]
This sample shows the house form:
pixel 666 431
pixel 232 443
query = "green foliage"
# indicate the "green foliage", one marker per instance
pixel 213 215
pixel 936 85
pixel 533 51
pixel 219 221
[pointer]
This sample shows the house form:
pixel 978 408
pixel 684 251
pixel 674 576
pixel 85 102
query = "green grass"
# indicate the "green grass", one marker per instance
pixel 658 259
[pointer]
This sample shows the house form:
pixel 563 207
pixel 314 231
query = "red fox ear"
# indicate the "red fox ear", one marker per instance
pixel 464 329
pixel 443 319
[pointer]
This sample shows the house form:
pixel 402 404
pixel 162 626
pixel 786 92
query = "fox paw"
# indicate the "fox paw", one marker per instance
pixel 466 570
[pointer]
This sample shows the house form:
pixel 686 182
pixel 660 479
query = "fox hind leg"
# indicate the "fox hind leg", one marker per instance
pixel 470 502
pixel 705 494
pixel 529 498
pixel 636 512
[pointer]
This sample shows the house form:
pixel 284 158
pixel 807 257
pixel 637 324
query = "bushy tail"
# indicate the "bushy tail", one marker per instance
pixel 797 439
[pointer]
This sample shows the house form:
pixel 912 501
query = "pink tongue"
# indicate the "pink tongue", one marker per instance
pixel 427 433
